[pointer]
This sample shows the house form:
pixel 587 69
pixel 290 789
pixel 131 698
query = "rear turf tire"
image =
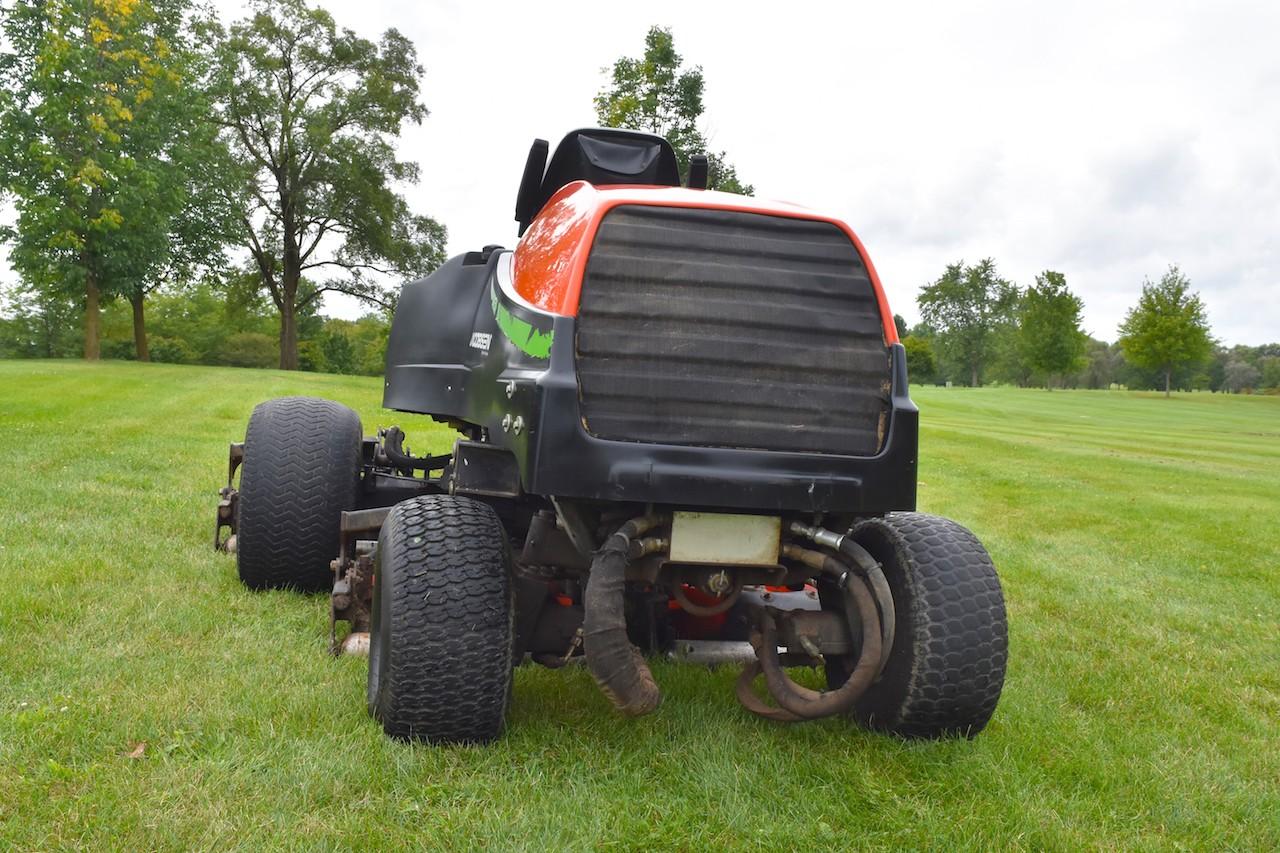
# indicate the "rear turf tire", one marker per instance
pixel 301 471
pixel 442 630
pixel 947 667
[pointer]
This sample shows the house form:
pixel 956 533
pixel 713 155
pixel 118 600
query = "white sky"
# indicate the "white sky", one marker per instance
pixel 1104 140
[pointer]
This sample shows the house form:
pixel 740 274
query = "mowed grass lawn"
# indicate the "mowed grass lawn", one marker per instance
pixel 148 701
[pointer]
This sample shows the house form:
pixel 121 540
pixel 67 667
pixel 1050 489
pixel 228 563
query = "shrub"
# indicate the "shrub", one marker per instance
pixel 311 357
pixel 172 351
pixel 250 349
pixel 921 365
pixel 339 354
pixel 119 348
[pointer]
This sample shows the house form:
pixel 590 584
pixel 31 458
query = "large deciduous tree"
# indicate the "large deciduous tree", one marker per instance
pixel 654 93
pixel 1168 328
pixel 1049 334
pixel 185 217
pixel 93 100
pixel 312 112
pixel 967 306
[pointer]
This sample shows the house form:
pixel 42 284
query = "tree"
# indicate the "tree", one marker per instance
pixel 1049 334
pixel 1240 375
pixel 654 93
pixel 94 103
pixel 1102 362
pixel 312 112
pixel 1269 372
pixel 967 306
pixel 1005 360
pixel 1167 329
pixel 191 218
pixel 900 326
pixel 1217 368
pixel 37 323
pixel 921 365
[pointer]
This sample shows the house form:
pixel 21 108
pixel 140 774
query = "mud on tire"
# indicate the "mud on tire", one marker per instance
pixel 443 632
pixel 947 666
pixel 301 471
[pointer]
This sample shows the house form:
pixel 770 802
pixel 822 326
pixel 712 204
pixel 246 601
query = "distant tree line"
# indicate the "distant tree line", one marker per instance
pixel 142 142
pixel 223 322
pixel 979 328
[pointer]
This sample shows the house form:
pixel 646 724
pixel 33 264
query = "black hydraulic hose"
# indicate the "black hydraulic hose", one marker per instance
pixel 754 703
pixel 866 565
pixel 800 700
pixel 616 665
pixel 874 575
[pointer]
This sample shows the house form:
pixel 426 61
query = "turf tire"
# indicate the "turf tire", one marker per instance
pixel 946 670
pixel 442 631
pixel 301 471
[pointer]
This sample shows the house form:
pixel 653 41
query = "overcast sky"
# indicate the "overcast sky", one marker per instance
pixel 1104 140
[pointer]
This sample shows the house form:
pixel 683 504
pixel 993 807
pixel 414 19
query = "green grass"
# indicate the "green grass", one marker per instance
pixel 1138 540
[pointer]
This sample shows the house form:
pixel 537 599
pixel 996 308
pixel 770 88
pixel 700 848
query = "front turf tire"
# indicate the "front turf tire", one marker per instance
pixel 945 673
pixel 301 471
pixel 442 632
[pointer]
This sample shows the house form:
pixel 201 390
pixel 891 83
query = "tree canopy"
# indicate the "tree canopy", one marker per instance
pixel 654 92
pixel 966 306
pixel 100 127
pixel 312 112
pixel 1168 328
pixel 921 365
pixel 1049 335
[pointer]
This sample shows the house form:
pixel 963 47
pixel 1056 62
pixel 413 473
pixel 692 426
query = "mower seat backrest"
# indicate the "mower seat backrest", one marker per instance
pixel 598 156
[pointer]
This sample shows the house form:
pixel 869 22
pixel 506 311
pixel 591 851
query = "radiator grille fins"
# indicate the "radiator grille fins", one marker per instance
pixel 726 329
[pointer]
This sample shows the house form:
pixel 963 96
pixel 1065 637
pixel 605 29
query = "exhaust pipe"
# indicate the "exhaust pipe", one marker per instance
pixel 617 666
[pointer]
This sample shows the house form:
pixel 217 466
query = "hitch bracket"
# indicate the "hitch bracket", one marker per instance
pixel 228 513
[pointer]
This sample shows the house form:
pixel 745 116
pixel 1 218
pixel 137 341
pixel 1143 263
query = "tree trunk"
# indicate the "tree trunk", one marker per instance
pixel 288 334
pixel 92 319
pixel 290 279
pixel 139 327
pixel 1167 374
pixel 973 376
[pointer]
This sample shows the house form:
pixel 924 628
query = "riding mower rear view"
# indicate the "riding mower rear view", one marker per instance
pixel 684 428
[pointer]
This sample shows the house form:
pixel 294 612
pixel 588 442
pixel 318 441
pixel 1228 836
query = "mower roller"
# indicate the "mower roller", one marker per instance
pixel 684 428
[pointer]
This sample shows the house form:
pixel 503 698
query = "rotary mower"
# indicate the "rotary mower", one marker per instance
pixel 683 428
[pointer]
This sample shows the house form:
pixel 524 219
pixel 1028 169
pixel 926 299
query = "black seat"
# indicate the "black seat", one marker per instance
pixel 598 156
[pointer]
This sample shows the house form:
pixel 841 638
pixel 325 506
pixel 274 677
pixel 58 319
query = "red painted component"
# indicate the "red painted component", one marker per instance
pixel 697 627
pixel 552 256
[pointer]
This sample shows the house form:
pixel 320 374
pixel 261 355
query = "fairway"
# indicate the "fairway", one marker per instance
pixel 148 701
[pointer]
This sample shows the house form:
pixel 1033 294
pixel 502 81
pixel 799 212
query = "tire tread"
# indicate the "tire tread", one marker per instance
pixel 301 471
pixel 947 668
pixel 451 641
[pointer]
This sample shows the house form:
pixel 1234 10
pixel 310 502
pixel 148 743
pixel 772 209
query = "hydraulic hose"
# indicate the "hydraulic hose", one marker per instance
pixel 812 704
pixel 874 575
pixel 616 665
pixel 867 566
pixel 753 703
